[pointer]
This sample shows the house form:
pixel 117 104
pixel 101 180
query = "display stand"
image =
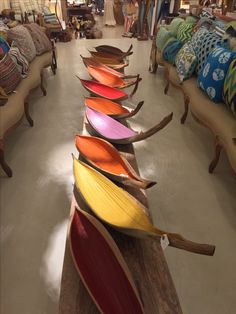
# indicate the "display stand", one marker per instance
pixel 145 259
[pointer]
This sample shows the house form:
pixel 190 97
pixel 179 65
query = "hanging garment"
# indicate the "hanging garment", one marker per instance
pixel 172 6
pixel 109 18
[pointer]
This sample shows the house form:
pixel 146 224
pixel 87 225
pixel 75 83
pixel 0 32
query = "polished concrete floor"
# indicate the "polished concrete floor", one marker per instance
pixel 35 202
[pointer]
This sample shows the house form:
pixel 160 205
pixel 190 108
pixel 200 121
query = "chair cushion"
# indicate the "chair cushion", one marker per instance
pixel 229 92
pixel 196 40
pixel 41 41
pixel 211 79
pixel 21 36
pixel 170 50
pixel 9 75
pixel 186 62
pixel 162 36
pixel 185 32
pixel 19 59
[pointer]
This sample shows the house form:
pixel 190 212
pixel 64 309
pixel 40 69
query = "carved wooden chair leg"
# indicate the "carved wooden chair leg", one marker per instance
pixel 167 82
pixel 186 106
pixel 27 114
pixel 213 164
pixel 42 86
pixel 3 163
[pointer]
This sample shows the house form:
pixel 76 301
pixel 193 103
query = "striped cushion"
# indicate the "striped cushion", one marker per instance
pixel 23 41
pixel 185 32
pixel 41 41
pixel 229 92
pixel 20 60
pixel 9 75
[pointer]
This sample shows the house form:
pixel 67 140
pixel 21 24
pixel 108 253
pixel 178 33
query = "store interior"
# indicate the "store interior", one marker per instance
pixel 54 57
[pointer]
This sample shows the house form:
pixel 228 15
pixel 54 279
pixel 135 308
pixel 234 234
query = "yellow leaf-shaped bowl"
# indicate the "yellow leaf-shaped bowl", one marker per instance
pixel 119 209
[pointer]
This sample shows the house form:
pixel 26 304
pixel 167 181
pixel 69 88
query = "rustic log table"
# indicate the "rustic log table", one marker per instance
pixel 144 258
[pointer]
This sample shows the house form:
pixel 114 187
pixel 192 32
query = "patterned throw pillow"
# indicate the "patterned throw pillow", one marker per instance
pixel 22 39
pixel 174 25
pixel 20 60
pixel 230 35
pixel 186 62
pixel 41 41
pixel 203 43
pixel 162 36
pixel 185 32
pixel 211 79
pixel 170 51
pixel 229 92
pixel 196 40
pixel 9 75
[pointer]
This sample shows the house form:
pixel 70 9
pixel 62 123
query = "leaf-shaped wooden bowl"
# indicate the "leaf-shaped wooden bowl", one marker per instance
pixel 101 266
pixel 119 209
pixel 106 55
pixel 114 50
pixel 106 159
pixel 111 108
pixel 102 90
pixel 110 79
pixel 113 63
pixel 115 132
pixel 93 62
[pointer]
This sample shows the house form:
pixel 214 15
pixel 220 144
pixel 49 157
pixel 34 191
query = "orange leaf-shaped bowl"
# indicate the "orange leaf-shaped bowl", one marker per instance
pixel 111 108
pixel 105 158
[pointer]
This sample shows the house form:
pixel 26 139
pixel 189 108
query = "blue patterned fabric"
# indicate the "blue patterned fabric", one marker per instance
pixel 171 50
pixel 211 79
pixel 203 43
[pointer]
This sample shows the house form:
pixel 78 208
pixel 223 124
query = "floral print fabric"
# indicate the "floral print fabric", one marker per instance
pixel 186 62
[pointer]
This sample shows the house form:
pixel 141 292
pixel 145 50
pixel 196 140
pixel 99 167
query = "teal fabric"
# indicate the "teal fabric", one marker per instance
pixel 162 36
pixel 212 77
pixel 4 47
pixel 185 32
pixel 170 51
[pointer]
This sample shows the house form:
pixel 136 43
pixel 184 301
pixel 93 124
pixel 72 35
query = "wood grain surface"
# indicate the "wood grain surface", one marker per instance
pixel 144 257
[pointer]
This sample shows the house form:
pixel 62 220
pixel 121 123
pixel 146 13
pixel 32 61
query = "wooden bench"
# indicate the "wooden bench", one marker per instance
pixel 145 259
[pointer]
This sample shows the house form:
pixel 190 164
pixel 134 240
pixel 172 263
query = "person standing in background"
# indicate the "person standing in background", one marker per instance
pixel 109 19
pixel 99 6
pixel 129 10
